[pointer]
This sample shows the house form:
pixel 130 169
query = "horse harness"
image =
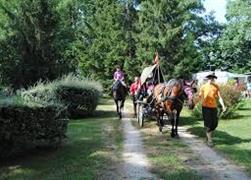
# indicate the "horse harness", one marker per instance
pixel 170 86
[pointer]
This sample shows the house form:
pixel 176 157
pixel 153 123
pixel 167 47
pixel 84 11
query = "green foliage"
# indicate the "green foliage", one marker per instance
pixel 169 27
pixel 80 95
pixel 34 45
pixel 231 96
pixel 24 126
pixel 233 51
pixel 232 99
pixel 197 112
pixel 104 44
pixel 44 39
pixel 38 116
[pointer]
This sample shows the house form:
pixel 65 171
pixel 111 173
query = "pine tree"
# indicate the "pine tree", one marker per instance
pixel 35 42
pixel 167 27
pixel 104 45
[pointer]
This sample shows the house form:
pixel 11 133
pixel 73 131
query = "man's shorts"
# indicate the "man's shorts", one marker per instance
pixel 210 117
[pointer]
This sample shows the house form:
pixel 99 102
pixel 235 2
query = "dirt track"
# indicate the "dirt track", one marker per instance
pixel 136 165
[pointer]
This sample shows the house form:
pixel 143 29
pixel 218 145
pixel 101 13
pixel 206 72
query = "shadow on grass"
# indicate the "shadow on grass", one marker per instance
pixel 106 101
pixel 71 161
pixel 238 117
pixel 189 121
pixel 220 137
pixel 104 114
pixel 244 109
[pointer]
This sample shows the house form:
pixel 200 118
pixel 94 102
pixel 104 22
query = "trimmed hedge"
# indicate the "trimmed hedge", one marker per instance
pixel 80 95
pixel 24 127
pixel 80 102
pixel 38 117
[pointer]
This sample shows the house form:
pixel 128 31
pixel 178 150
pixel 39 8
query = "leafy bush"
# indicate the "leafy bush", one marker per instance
pixel 78 94
pixel 232 100
pixel 40 93
pixel 5 91
pixel 25 125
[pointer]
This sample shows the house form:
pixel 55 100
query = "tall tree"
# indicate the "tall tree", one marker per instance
pixel 234 46
pixel 103 40
pixel 169 28
pixel 207 44
pixel 131 64
pixel 35 42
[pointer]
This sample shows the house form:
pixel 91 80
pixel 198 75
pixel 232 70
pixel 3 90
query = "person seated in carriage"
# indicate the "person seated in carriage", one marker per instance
pixel 146 89
pixel 149 87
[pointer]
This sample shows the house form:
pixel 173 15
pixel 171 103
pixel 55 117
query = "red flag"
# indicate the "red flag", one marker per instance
pixel 156 59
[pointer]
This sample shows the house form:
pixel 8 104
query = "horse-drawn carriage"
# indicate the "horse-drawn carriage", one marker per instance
pixel 150 77
pixel 158 99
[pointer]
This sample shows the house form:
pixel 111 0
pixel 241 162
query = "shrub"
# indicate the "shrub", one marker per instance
pixel 5 91
pixel 78 94
pixel 232 100
pixel 26 125
pixel 40 93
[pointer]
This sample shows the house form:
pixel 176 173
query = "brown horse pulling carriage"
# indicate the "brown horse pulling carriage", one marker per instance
pixel 166 99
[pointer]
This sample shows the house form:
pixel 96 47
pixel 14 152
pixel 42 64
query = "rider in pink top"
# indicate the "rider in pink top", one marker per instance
pixel 119 75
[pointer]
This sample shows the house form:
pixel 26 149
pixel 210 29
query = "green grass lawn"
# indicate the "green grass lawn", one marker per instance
pixel 84 154
pixel 232 137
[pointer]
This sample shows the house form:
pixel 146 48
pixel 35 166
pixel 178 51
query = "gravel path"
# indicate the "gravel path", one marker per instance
pixel 136 165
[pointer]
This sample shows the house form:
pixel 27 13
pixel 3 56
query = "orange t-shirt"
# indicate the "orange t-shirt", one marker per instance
pixel 209 94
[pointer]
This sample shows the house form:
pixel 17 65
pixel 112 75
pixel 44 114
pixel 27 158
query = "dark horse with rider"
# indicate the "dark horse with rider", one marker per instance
pixel 119 90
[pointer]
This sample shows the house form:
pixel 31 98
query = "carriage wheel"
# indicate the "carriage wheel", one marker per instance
pixel 141 116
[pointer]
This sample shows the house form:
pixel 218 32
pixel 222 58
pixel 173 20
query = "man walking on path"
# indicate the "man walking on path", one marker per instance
pixel 134 88
pixel 209 93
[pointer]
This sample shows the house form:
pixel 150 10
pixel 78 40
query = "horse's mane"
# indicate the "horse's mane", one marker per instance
pixel 174 82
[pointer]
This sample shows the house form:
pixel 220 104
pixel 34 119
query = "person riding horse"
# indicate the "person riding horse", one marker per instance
pixel 119 90
pixel 119 76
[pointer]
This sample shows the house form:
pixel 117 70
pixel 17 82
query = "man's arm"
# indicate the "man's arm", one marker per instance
pixel 221 102
pixel 199 96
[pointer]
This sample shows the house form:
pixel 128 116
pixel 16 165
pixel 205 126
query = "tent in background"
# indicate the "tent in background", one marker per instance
pixel 222 76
